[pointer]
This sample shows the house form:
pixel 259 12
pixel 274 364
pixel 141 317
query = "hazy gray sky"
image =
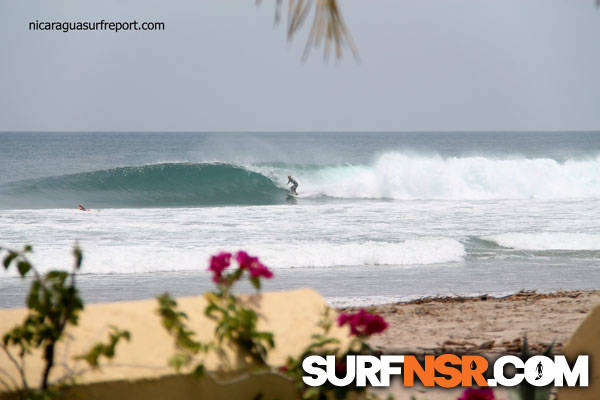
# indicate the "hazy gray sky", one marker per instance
pixel 222 66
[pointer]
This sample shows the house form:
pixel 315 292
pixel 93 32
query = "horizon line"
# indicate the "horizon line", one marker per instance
pixel 311 131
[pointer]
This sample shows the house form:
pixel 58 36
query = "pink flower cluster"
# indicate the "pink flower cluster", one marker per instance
pixel 477 394
pixel 363 323
pixel 255 267
pixel 220 262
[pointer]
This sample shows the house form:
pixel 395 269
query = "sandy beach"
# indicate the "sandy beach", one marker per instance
pixel 479 325
pixel 486 325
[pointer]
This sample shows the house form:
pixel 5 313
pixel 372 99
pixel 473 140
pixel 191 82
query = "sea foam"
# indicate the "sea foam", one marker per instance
pixel 101 259
pixel 548 241
pixel 396 175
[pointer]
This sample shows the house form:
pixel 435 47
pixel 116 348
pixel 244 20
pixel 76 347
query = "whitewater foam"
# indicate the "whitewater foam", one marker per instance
pixel 406 176
pixel 101 259
pixel 548 241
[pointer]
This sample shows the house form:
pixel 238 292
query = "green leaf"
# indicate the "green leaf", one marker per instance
pixel 77 253
pixel 237 274
pixel 179 360
pixel 255 282
pixel 311 393
pixel 199 370
pixel 33 299
pixel 23 267
pixel 9 258
pixel 107 350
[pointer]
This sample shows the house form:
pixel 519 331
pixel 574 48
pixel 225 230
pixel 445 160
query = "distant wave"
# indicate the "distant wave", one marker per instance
pixel 410 252
pixel 151 258
pixel 548 241
pixel 392 175
pixel 158 185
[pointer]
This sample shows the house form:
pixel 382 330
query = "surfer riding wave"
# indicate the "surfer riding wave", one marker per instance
pixel 294 184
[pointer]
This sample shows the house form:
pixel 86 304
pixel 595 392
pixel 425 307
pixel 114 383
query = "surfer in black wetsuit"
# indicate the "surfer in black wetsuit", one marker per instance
pixel 539 370
pixel 294 184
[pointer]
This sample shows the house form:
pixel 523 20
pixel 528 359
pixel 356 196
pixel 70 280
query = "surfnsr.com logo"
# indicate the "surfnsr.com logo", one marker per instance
pixel 446 370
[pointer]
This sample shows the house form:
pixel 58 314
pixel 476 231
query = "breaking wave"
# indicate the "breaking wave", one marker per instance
pixel 406 176
pixel 157 185
pixel 152 258
pixel 392 175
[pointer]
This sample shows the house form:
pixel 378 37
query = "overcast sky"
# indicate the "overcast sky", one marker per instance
pixel 222 66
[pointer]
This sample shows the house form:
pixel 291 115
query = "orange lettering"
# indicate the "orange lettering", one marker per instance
pixel 411 367
pixel 473 367
pixel 453 377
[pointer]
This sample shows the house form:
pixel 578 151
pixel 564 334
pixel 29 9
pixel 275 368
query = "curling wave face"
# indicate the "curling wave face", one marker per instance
pixel 392 175
pixel 157 185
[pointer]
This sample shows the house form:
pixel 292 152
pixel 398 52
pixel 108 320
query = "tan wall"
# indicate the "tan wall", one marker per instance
pixel 292 316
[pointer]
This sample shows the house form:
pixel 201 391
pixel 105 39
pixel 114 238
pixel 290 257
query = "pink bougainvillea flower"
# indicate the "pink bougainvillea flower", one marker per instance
pixel 218 263
pixel 244 260
pixel 477 394
pixel 254 267
pixel 363 323
pixel 343 319
pixel 258 270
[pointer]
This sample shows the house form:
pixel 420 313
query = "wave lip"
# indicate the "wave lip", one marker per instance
pixel 156 185
pixel 548 241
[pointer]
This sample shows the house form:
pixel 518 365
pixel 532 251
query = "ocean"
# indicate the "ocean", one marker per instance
pixel 380 217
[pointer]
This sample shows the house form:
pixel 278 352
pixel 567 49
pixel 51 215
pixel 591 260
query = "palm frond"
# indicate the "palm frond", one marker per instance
pixel 298 10
pixel 328 27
